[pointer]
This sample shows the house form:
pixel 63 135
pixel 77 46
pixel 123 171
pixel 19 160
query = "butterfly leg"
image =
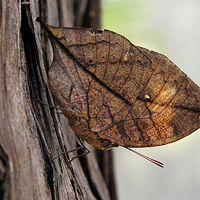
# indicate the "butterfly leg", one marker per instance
pixel 82 146
pixel 51 106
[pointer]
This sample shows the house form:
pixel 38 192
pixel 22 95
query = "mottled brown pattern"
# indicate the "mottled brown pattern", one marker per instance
pixel 122 94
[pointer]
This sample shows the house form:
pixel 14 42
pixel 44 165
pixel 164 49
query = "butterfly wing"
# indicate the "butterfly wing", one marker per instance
pixel 125 94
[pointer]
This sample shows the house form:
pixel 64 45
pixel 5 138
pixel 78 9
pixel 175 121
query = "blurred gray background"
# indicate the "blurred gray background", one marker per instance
pixel 172 28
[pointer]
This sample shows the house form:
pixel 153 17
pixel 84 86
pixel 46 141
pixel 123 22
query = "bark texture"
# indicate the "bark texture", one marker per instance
pixel 33 134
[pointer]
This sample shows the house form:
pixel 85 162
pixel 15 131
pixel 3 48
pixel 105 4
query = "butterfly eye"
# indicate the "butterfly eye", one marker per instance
pixel 107 142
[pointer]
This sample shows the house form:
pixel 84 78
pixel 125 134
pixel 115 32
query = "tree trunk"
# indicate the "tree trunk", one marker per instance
pixel 32 134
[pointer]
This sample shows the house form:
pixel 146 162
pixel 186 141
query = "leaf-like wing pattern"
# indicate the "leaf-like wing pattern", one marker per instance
pixel 122 94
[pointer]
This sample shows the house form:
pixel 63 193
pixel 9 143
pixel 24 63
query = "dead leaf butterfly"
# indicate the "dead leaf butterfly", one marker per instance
pixel 122 94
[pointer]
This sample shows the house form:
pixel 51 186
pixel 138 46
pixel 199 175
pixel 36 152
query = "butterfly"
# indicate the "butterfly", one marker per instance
pixel 122 94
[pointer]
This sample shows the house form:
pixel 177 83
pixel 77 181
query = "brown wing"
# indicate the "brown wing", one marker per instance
pixel 127 94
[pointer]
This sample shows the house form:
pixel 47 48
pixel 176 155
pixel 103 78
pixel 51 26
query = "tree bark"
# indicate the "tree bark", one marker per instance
pixel 31 133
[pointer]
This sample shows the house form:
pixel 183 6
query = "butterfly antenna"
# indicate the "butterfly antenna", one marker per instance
pixel 147 158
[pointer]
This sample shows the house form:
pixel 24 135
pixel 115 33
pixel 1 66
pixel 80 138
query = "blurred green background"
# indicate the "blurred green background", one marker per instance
pixel 172 28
